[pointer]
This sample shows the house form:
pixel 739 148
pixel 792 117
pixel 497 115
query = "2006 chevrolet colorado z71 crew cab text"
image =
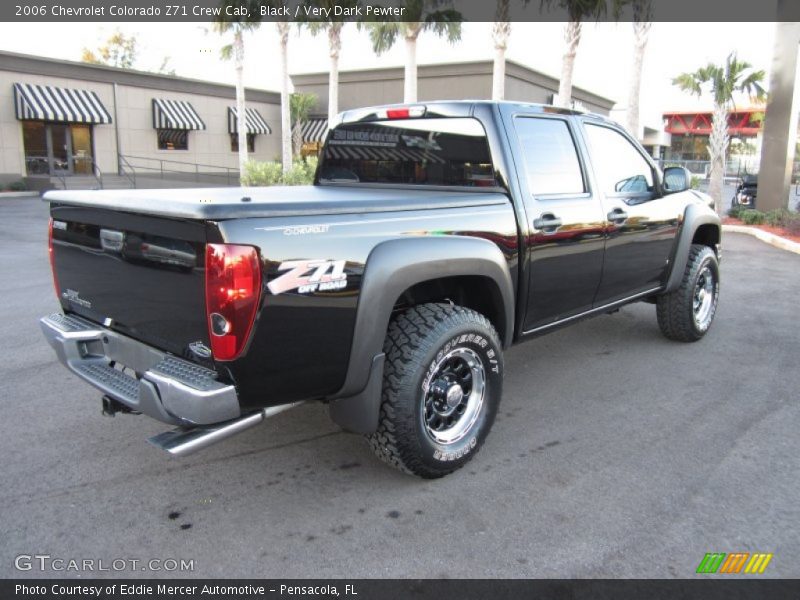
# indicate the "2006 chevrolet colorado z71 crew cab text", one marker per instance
pixel 434 237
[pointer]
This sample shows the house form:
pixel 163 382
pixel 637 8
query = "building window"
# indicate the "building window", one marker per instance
pixel 173 139
pixel 251 142
pixel 37 151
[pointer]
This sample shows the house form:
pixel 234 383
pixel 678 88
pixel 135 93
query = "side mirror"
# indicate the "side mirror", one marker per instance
pixel 677 179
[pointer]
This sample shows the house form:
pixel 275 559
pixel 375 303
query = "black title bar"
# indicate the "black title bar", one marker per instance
pixel 176 11
pixel 371 589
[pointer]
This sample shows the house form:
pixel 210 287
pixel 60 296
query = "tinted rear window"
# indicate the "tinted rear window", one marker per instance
pixel 451 152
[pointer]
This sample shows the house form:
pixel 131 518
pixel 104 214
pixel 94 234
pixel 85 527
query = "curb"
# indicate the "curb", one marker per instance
pixel 18 194
pixel 765 236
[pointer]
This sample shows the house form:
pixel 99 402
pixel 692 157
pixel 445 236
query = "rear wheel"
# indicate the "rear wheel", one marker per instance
pixel 441 389
pixel 686 314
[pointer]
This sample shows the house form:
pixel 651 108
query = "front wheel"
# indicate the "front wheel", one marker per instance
pixel 442 383
pixel 686 313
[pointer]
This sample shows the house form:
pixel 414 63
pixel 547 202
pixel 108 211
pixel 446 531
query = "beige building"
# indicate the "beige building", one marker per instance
pixel 61 119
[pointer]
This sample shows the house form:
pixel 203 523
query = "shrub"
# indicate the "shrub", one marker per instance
pixel 752 217
pixel 777 217
pixel 695 183
pixel 301 173
pixel 17 186
pixel 261 173
pixel 792 225
pixel 270 173
pixel 735 211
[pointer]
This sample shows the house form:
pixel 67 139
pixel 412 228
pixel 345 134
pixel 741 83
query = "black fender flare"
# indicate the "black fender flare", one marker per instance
pixel 393 267
pixel 694 216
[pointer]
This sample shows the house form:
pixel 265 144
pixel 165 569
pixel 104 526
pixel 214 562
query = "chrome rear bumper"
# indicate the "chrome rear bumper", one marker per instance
pixel 154 383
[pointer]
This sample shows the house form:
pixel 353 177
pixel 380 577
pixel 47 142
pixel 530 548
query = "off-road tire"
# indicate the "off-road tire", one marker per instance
pixel 675 311
pixel 417 342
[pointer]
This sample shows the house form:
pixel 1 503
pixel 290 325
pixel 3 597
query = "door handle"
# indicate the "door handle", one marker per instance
pixel 548 223
pixel 617 215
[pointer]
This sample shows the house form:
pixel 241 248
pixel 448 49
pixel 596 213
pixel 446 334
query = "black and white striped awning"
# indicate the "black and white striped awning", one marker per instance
pixel 375 152
pixel 48 103
pixel 255 122
pixel 314 130
pixel 175 114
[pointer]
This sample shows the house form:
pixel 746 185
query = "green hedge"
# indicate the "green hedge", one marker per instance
pixel 270 173
pixel 752 217
pixel 788 220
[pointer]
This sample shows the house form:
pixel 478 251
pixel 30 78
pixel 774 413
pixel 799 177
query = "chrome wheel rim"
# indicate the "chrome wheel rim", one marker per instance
pixel 704 299
pixel 453 394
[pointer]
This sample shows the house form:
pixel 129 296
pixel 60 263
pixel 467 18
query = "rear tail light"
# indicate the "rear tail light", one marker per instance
pixel 233 288
pixel 52 259
pixel 404 112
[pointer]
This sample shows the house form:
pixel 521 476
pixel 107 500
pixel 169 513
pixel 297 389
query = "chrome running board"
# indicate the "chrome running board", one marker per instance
pixel 187 440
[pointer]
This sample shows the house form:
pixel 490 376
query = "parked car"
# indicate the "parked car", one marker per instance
pixel 746 192
pixel 389 294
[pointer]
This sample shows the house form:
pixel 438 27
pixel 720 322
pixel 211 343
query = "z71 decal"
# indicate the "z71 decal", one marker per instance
pixel 309 276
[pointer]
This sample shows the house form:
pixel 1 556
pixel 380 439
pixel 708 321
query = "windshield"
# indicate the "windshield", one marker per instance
pixel 449 152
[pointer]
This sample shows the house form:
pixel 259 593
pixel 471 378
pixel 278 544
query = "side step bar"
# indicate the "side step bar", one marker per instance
pixel 187 440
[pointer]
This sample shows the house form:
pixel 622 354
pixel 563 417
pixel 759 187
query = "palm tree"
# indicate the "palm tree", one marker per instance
pixel 642 13
pixel 334 29
pixel 286 124
pixel 577 12
pixel 235 50
pixel 301 107
pixel 722 82
pixel 501 31
pixel 422 15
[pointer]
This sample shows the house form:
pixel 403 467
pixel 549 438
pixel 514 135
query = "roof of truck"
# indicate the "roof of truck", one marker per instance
pixel 460 108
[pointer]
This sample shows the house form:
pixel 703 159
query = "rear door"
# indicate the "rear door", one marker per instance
pixel 565 235
pixel 641 222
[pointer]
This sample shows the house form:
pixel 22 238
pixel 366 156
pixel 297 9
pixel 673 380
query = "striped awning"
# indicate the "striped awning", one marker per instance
pixel 255 122
pixel 48 103
pixel 175 114
pixel 314 130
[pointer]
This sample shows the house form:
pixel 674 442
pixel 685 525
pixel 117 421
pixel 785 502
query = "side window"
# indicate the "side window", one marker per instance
pixel 619 166
pixel 551 160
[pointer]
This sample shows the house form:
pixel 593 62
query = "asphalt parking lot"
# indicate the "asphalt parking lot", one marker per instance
pixel 616 454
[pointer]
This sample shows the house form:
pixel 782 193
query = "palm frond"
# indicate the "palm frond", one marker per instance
pixel 445 23
pixel 383 35
pixel 688 82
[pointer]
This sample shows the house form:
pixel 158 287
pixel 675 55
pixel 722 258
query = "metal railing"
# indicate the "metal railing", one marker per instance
pixel 98 174
pixel 166 168
pixel 129 174
pixel 734 169
pixel 40 166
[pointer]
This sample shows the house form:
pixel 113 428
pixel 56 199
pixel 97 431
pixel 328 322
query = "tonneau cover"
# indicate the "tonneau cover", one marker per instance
pixel 216 204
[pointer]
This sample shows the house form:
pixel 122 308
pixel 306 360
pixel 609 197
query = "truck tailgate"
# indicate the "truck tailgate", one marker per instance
pixel 143 276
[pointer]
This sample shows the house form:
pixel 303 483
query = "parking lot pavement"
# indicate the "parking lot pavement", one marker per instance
pixel 616 454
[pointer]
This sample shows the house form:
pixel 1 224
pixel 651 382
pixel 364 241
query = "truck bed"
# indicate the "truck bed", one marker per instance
pixel 227 203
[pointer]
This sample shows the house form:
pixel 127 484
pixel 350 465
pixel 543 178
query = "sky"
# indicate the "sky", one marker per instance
pixel 602 66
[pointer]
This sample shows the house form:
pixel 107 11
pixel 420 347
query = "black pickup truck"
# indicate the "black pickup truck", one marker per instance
pixel 434 237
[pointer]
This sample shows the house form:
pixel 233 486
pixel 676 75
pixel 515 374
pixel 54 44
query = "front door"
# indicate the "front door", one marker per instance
pixel 57 148
pixel 60 149
pixel 566 234
pixel 641 222
pixel 81 138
